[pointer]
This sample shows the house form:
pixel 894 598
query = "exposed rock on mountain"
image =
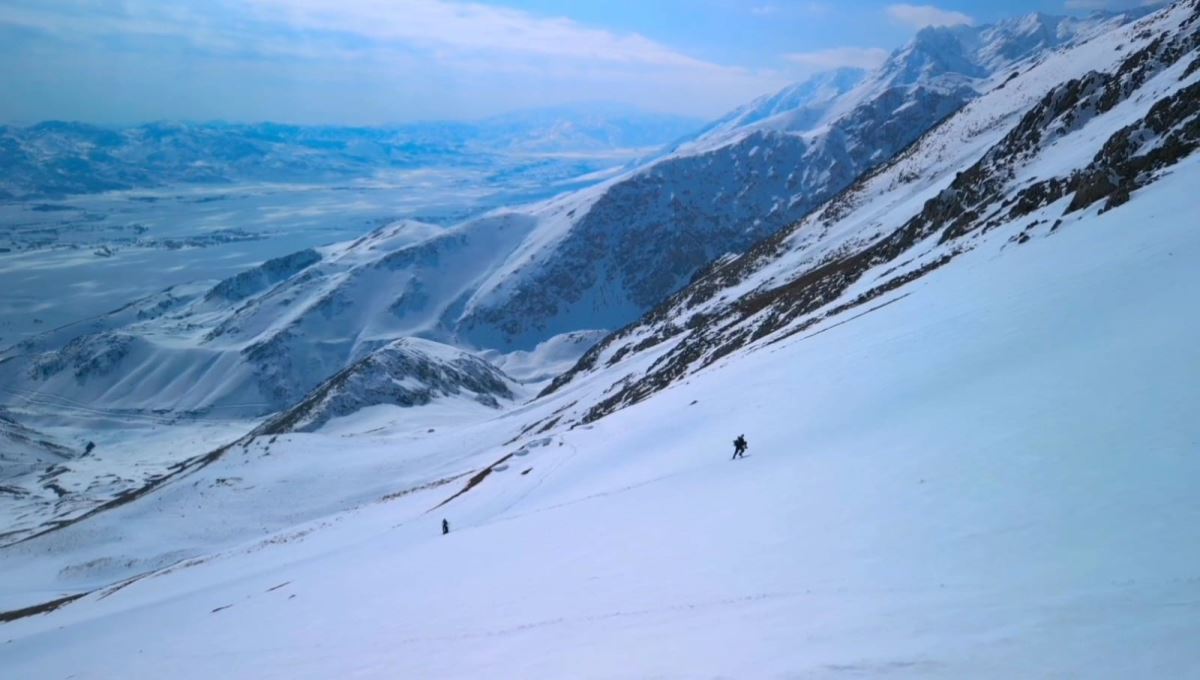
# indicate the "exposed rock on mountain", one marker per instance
pixel 642 236
pixel 1094 123
pixel 406 372
pixel 513 279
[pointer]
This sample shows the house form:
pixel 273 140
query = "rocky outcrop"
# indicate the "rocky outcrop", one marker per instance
pixel 404 373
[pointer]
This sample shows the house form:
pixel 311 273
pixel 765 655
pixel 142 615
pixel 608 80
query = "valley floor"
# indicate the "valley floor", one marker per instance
pixel 991 477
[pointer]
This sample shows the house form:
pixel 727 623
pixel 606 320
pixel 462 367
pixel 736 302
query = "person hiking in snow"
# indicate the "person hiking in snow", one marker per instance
pixel 739 447
pixel 445 527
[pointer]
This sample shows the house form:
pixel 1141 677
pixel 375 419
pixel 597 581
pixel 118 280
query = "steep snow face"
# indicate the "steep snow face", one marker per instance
pixel 797 107
pixel 1026 161
pixel 961 53
pixel 642 236
pixel 405 373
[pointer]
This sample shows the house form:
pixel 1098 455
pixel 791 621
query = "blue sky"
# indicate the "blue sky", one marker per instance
pixel 380 61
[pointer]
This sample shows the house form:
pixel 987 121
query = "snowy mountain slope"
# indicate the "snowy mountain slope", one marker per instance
pixel 207 362
pixel 262 340
pixel 58 481
pixel 548 359
pixel 597 258
pixel 644 235
pixel 56 158
pixel 44 485
pixel 971 452
pixel 798 107
pixel 23 449
pixel 1080 131
pixel 405 373
pixel 991 477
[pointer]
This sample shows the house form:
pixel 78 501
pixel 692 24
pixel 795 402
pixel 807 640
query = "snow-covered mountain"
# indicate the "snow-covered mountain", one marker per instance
pixel 408 372
pixel 968 385
pixel 799 107
pixel 615 250
pixel 57 158
pixel 23 450
pixel 263 340
pixel 513 279
pixel 1078 133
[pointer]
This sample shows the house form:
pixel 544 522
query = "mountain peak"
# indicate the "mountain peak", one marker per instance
pixel 980 51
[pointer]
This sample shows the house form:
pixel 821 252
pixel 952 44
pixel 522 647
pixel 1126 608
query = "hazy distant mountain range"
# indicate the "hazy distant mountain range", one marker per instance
pixel 56 158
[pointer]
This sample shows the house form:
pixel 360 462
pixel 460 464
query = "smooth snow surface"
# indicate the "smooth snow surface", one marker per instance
pixel 993 476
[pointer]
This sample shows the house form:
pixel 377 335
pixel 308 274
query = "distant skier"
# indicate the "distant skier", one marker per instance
pixel 88 449
pixel 739 447
pixel 445 527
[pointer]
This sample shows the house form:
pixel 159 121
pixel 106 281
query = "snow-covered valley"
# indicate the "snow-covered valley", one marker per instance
pixel 966 372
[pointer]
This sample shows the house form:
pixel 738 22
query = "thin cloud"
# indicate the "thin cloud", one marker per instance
pixel 1110 5
pixel 293 27
pixel 816 8
pixel 839 57
pixel 370 60
pixel 471 27
pixel 920 16
pixel 812 8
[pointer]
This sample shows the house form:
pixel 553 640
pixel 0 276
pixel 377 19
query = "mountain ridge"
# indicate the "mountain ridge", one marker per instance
pixel 815 270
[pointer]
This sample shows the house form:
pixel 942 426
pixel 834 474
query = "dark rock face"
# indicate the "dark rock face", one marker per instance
pixel 265 275
pixel 648 235
pixel 85 357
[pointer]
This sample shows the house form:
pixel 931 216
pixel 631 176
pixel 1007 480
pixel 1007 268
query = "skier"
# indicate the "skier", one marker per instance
pixel 739 447
pixel 445 527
